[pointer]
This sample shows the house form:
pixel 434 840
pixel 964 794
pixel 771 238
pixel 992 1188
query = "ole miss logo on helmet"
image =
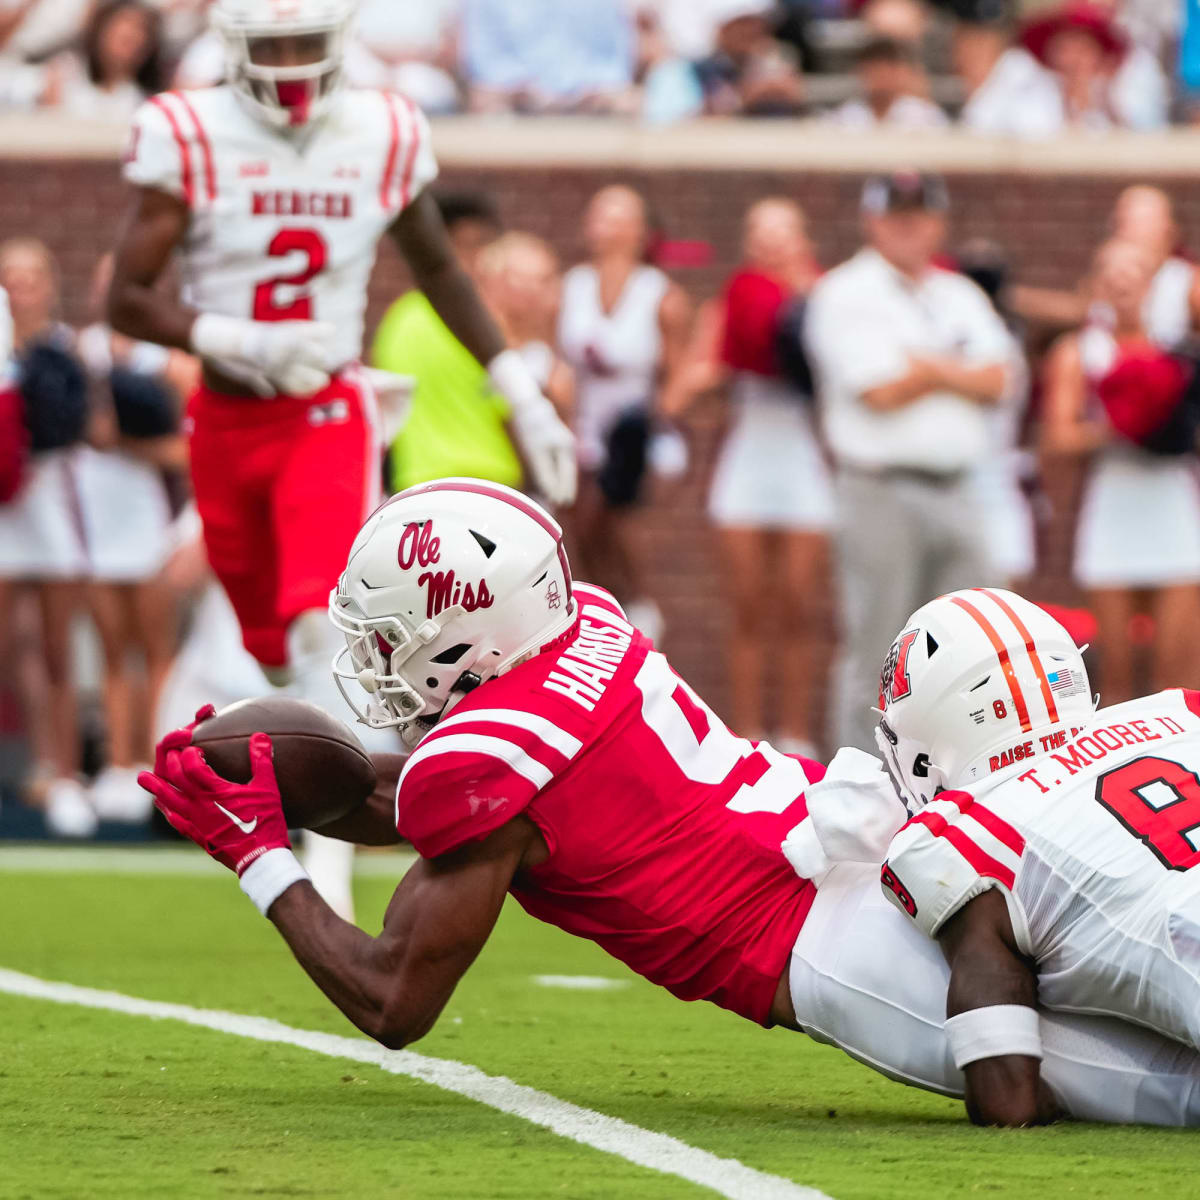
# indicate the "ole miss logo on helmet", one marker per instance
pixel 894 683
pixel 443 589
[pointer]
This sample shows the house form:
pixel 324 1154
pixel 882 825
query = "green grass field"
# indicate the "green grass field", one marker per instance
pixel 94 1103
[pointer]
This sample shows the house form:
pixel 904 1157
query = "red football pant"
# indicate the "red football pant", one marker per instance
pixel 282 487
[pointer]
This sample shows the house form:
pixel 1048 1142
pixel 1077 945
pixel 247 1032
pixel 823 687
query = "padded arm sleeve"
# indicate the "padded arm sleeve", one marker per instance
pixel 952 851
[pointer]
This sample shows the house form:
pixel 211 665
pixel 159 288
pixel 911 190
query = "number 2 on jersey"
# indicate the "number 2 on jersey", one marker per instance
pixel 299 305
pixel 1158 801
pixel 706 752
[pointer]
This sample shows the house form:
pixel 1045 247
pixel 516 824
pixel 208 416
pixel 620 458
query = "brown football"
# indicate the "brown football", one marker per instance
pixel 323 770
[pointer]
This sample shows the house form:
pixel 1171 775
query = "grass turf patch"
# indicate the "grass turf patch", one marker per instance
pixel 772 1099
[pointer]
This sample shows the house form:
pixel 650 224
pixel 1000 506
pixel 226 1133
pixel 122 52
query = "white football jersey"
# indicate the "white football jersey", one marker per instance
pixel 283 227
pixel 1094 844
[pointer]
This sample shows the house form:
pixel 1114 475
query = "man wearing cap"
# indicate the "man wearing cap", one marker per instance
pixel 908 358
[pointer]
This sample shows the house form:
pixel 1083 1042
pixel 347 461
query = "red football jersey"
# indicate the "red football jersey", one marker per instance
pixel 664 829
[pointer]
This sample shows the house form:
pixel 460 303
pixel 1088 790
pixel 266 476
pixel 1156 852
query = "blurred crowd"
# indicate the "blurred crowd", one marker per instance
pixel 1008 67
pixel 873 432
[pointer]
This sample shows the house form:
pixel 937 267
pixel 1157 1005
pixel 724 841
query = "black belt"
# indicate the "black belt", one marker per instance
pixel 927 478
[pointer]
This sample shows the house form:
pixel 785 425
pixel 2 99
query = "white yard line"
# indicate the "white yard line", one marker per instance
pixel 725 1176
pixel 162 860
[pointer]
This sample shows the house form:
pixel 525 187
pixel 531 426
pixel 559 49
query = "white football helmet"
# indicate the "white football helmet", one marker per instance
pixel 976 682
pixel 449 584
pixel 262 37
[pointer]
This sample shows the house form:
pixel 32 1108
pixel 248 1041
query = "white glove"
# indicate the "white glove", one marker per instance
pixel 547 444
pixel 395 396
pixel 853 814
pixel 291 358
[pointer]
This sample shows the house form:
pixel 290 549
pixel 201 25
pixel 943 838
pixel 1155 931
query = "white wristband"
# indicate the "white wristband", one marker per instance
pixel 993 1031
pixel 514 380
pixel 269 876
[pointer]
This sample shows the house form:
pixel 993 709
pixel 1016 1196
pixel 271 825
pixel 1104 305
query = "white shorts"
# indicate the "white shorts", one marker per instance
pixel 1139 524
pixel 770 472
pixel 1008 527
pixel 865 979
pixel 126 515
pixel 42 535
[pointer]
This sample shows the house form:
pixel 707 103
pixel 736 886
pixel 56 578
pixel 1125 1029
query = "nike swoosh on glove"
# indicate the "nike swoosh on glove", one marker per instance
pixel 235 823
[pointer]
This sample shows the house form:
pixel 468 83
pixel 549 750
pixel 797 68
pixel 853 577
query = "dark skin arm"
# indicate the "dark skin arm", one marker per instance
pixel 394 986
pixel 985 969
pixel 136 307
pixel 373 823
pixel 421 235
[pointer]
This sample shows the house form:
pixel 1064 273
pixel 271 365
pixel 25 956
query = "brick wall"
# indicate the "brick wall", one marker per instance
pixel 1049 224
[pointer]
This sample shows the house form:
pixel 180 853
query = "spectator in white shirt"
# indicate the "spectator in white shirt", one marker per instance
pixel 894 91
pixel 1009 93
pixel 908 359
pixel 1103 81
pixel 409 48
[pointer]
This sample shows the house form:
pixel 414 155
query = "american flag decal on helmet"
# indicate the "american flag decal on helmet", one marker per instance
pixel 1065 682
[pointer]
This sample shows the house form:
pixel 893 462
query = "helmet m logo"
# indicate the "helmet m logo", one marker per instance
pixel 894 683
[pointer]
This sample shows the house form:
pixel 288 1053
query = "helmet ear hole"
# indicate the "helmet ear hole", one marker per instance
pixel 931 644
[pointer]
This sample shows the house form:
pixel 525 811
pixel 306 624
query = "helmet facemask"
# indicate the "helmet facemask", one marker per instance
pixel 288 75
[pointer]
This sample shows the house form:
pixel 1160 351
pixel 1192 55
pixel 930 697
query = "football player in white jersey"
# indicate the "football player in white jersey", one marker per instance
pixel 274 190
pixel 1052 845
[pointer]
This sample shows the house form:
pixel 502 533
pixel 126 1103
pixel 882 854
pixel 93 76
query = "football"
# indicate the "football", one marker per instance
pixel 323 770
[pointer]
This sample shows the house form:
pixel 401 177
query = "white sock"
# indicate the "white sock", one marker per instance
pixel 330 865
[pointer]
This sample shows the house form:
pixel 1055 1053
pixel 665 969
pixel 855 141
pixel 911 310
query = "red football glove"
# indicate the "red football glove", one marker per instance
pixel 178 738
pixel 235 823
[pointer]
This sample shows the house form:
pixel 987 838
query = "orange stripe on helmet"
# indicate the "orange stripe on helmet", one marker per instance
pixel 1031 647
pixel 1010 674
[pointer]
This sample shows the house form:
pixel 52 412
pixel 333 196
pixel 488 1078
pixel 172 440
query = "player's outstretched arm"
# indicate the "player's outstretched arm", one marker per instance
pixel 136 307
pixel 545 443
pixel 394 986
pixel 992 1019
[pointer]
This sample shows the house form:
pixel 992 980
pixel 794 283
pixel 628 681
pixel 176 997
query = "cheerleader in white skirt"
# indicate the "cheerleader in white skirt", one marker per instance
pixel 1137 541
pixel 127 516
pixel 771 498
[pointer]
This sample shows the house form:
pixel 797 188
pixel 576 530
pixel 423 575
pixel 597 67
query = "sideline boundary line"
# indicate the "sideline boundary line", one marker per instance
pixel 657 1151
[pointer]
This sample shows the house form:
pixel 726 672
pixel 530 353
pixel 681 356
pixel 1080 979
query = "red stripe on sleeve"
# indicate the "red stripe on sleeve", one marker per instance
pixel 979 860
pixel 1000 829
pixel 210 173
pixel 385 188
pixel 1031 647
pixel 1192 700
pixel 1014 684
pixel 410 154
pixel 185 155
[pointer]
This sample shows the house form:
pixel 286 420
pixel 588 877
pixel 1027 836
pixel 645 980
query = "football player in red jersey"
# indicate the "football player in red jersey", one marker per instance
pixel 274 190
pixel 556 756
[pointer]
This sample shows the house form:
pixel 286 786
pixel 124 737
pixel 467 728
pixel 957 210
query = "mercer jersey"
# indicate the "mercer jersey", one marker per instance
pixel 282 227
pixel 1093 843
pixel 664 829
